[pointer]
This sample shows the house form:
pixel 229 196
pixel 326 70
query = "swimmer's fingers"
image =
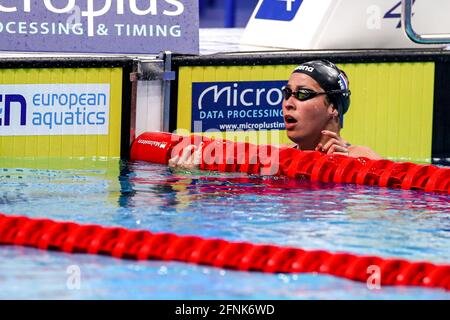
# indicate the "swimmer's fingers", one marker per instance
pixel 198 154
pixel 319 147
pixel 189 159
pixel 180 161
pixel 193 160
pixel 336 149
pixel 335 138
pixel 343 153
pixel 186 154
pixel 331 134
pixel 173 162
pixel 331 143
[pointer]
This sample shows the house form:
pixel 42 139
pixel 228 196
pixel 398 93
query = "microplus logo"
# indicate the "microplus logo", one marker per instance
pixel 244 104
pixel 157 144
pixel 238 94
pixel 91 13
pixel 54 109
pixel 281 10
pixel 107 26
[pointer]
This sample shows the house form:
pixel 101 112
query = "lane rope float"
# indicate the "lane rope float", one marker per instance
pixel 228 156
pixel 122 243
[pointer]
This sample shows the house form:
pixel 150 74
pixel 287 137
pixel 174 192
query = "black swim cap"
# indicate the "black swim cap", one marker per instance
pixel 330 78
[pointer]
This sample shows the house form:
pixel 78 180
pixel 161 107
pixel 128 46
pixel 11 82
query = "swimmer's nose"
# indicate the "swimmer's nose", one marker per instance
pixel 288 105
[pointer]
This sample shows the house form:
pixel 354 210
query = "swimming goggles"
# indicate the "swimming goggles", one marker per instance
pixel 305 94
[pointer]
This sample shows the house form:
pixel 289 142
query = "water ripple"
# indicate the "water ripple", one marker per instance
pixel 338 218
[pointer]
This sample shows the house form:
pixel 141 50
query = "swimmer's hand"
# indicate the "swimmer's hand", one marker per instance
pixel 335 144
pixel 190 158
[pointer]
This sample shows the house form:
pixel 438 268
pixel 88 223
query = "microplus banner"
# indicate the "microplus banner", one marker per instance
pixel 100 26
pixel 54 109
pixel 237 106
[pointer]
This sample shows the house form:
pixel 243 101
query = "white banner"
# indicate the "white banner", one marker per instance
pixel 54 109
pixel 341 24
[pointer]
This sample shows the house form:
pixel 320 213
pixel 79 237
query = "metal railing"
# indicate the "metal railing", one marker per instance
pixel 414 36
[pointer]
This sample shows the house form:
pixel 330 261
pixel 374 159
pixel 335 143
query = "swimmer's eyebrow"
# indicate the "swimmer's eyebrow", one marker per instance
pixel 299 87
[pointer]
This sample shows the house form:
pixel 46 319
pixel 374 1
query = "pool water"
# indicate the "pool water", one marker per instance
pixel 235 207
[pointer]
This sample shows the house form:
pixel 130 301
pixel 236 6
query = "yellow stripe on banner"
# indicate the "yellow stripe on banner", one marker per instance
pixel 391 107
pixel 77 146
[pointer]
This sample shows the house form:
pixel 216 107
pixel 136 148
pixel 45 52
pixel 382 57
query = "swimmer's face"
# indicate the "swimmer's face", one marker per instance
pixel 305 120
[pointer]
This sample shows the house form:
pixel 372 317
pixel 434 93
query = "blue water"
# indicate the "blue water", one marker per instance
pixel 338 218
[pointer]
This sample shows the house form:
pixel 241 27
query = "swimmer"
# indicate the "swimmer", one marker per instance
pixel 315 100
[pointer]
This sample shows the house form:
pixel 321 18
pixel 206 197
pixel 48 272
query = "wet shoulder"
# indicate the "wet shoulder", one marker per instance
pixel 363 151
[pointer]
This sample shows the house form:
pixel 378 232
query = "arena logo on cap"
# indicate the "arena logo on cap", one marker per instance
pixel 305 68
pixel 281 10
pixel 54 109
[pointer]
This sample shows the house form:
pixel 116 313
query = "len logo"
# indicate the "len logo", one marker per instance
pixel 13 100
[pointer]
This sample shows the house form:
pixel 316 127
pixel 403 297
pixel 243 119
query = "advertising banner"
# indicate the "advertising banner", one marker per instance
pixel 61 113
pixel 244 105
pixel 106 26
pixel 54 109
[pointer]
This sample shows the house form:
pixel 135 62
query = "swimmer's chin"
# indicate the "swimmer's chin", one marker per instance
pixel 293 136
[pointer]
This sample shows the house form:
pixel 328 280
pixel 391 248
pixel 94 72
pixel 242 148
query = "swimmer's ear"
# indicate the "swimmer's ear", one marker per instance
pixel 332 110
pixel 335 112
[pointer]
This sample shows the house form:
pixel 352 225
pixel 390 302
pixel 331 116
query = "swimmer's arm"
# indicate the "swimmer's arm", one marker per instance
pixel 191 156
pixel 362 151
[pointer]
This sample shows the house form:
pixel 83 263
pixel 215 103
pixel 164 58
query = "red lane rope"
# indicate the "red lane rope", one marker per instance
pixel 227 156
pixel 143 245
